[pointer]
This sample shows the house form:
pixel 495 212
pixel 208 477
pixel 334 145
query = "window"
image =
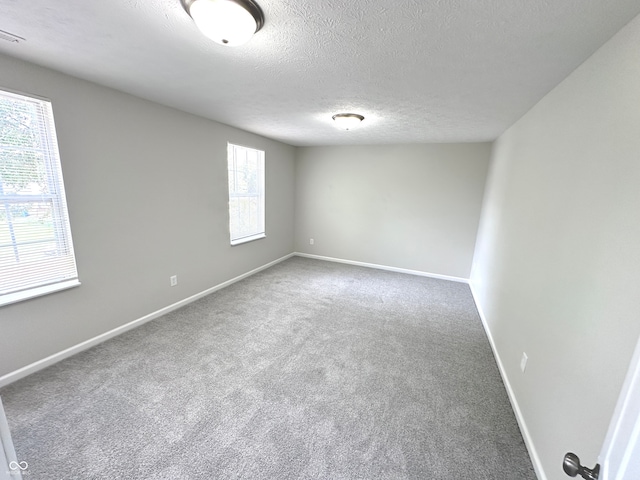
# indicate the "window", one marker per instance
pixel 246 194
pixel 36 253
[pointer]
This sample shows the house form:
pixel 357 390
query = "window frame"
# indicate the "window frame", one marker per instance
pixel 43 283
pixel 260 195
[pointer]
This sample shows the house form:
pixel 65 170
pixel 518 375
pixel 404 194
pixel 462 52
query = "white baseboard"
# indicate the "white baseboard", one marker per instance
pixel 57 357
pixel 533 453
pixel 384 267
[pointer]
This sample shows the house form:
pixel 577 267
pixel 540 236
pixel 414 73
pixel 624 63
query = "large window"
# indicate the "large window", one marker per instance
pixel 36 252
pixel 246 194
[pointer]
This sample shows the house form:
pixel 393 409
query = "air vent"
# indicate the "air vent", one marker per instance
pixel 10 37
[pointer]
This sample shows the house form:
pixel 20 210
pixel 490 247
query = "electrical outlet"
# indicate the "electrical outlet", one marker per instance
pixel 311 241
pixel 173 279
pixel 523 362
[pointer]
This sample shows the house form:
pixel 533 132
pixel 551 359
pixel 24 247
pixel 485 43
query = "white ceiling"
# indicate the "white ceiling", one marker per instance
pixel 418 70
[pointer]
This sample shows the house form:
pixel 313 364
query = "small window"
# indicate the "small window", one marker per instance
pixel 36 252
pixel 246 194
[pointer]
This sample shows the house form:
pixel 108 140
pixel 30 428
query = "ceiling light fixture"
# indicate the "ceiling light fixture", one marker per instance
pixel 227 22
pixel 347 121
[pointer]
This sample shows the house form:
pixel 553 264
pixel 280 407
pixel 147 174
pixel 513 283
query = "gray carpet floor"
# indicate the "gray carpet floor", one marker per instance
pixel 309 369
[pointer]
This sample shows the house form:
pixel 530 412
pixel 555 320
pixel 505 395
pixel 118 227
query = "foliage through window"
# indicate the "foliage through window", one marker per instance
pixel 246 194
pixel 36 252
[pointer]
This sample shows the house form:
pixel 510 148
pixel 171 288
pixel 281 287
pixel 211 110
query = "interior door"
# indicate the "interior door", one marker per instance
pixel 619 458
pixel 620 454
pixel 10 468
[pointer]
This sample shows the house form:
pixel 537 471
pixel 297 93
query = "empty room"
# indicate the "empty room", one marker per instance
pixel 268 239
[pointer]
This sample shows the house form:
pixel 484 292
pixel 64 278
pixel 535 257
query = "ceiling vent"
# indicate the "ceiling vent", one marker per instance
pixel 10 37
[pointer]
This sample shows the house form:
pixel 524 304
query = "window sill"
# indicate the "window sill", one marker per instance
pixel 37 292
pixel 240 241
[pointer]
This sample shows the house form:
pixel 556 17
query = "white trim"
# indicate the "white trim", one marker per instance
pixel 56 357
pixel 384 267
pixel 9 298
pixel 251 238
pixel 533 453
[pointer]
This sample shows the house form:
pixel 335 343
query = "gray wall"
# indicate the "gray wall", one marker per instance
pixel 556 269
pixel 414 207
pixel 147 194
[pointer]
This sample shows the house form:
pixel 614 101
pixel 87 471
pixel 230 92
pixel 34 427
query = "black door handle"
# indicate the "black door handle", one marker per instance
pixel 572 467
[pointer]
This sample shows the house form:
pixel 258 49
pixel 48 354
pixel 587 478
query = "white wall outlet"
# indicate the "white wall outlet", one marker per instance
pixel 311 241
pixel 173 279
pixel 523 362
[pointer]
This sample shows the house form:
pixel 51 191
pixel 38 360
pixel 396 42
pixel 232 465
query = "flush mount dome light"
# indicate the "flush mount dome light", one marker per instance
pixel 347 121
pixel 227 22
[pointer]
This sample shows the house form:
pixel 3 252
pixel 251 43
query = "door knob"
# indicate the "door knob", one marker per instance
pixel 572 467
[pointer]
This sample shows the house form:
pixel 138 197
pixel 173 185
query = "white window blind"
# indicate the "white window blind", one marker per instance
pixel 246 194
pixel 36 252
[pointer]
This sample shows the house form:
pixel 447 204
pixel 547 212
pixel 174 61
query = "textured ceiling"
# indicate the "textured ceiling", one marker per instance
pixel 418 70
